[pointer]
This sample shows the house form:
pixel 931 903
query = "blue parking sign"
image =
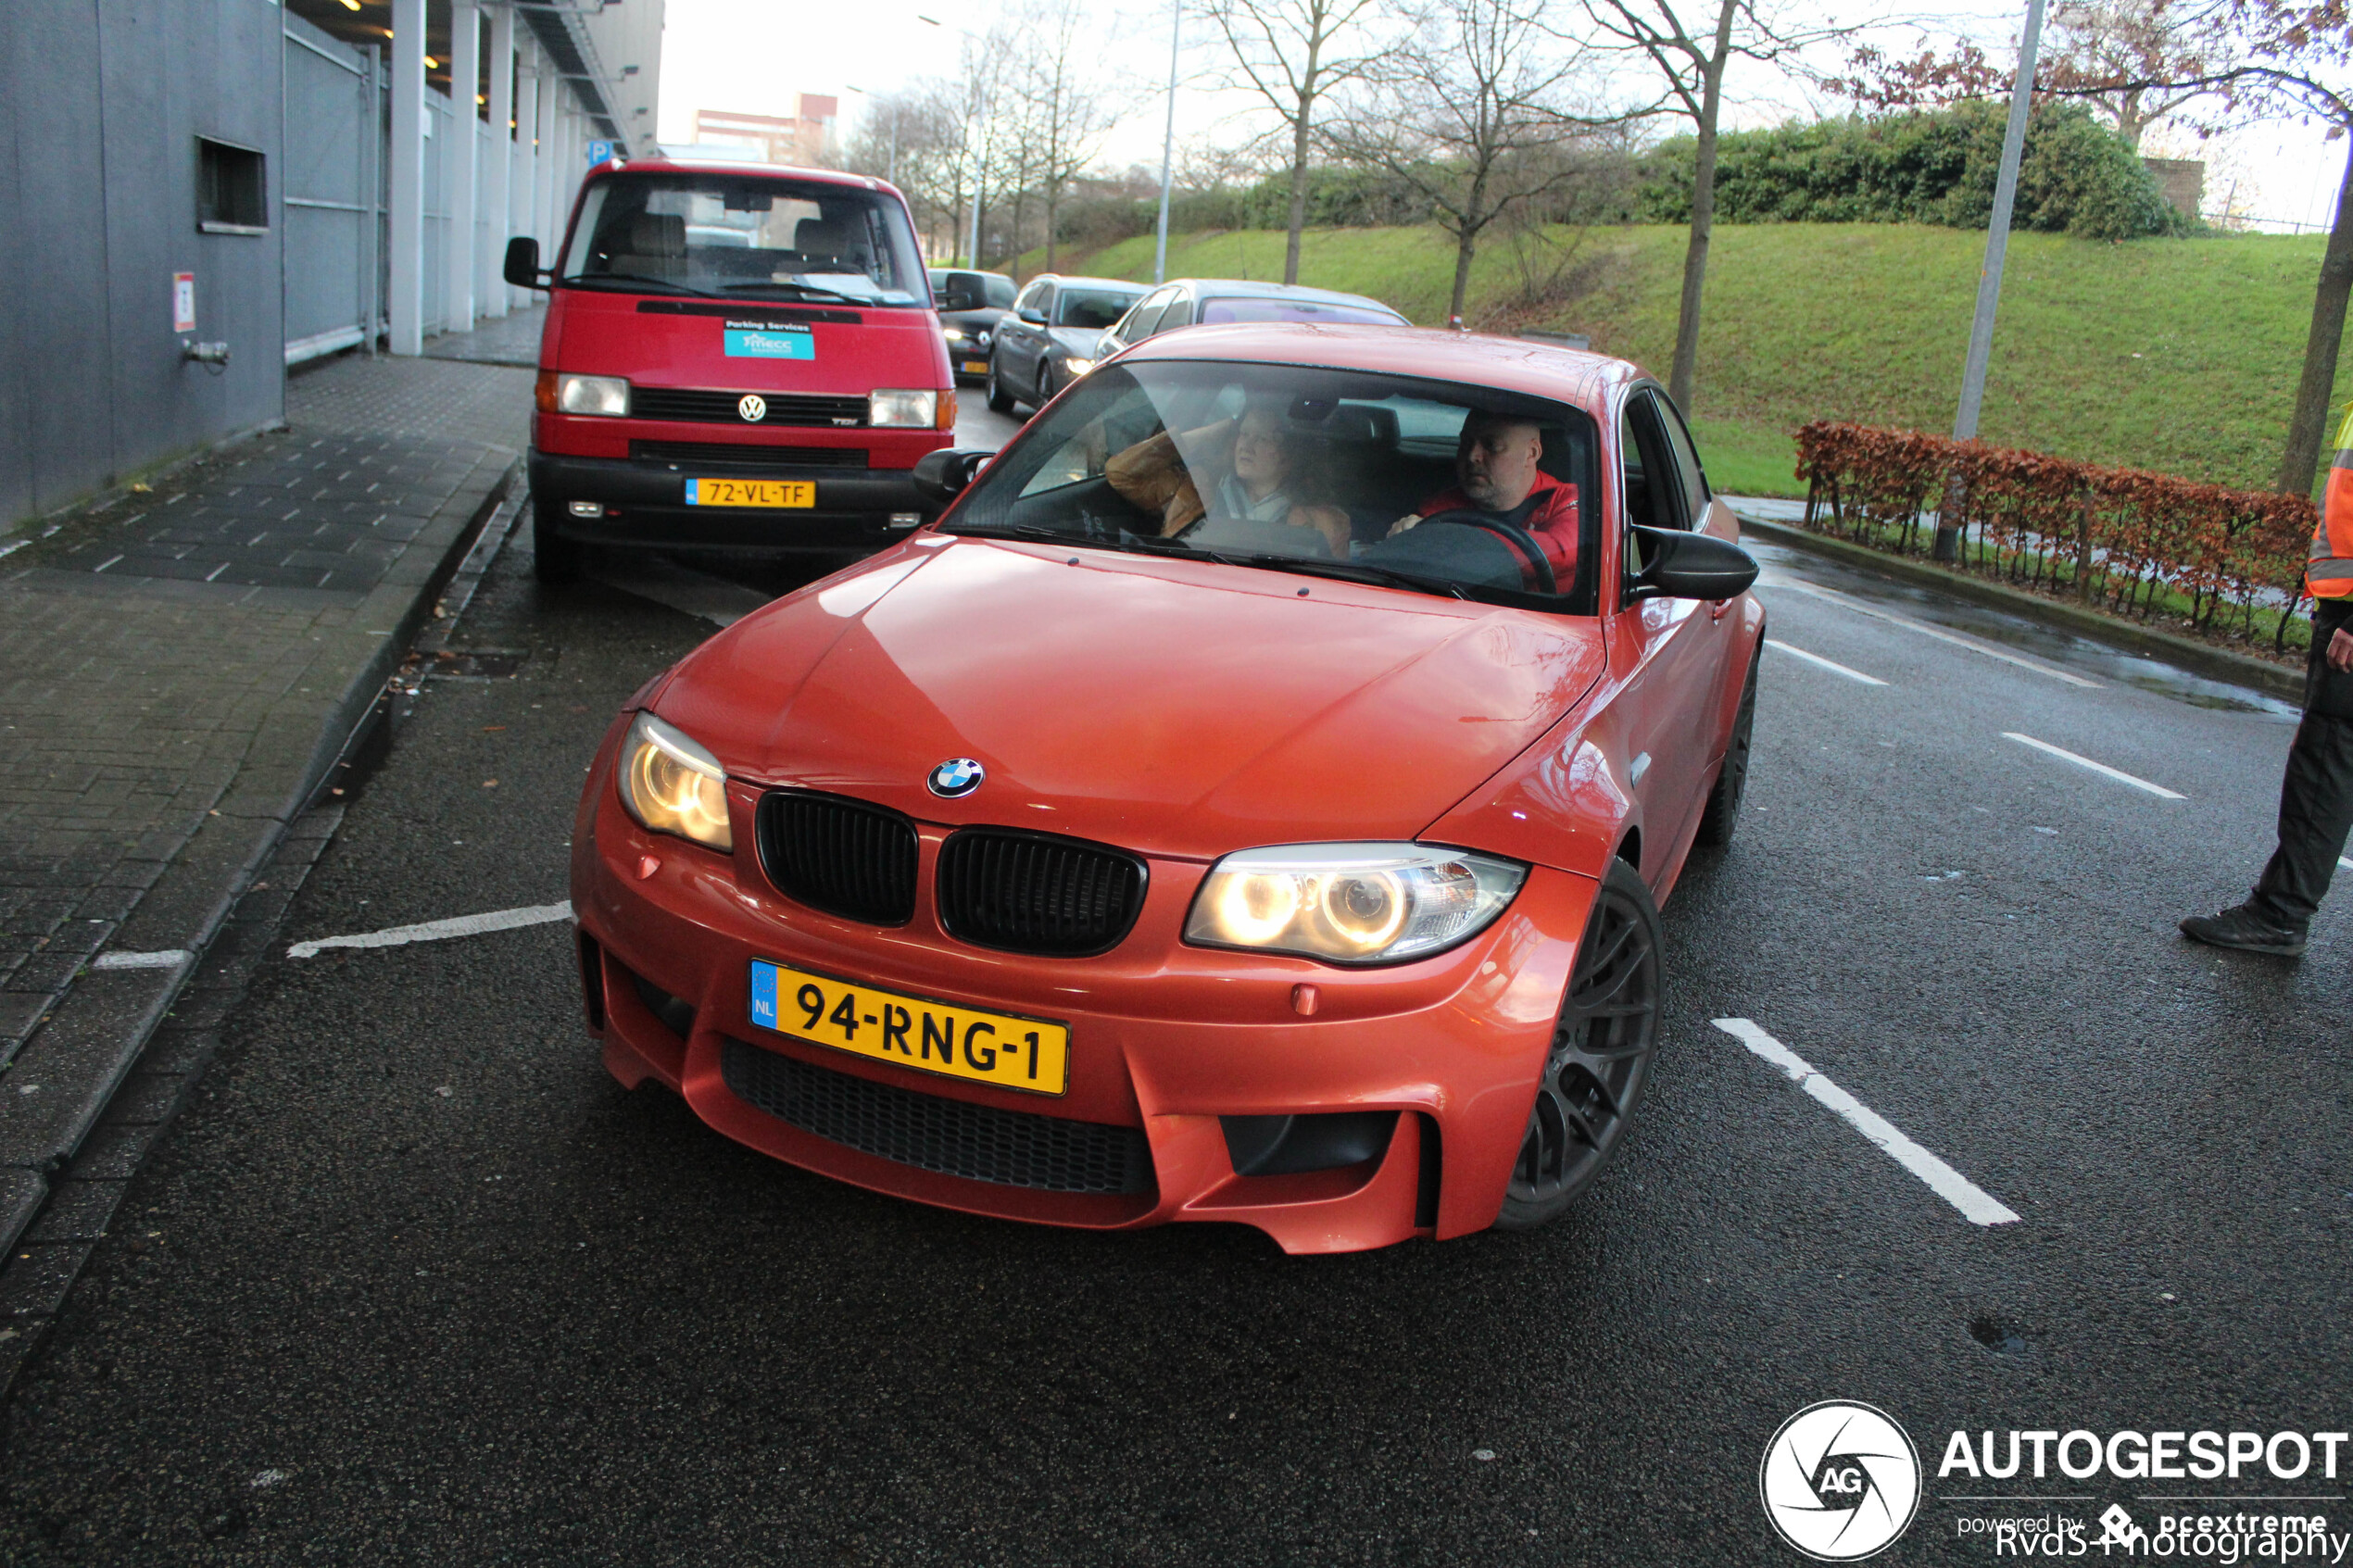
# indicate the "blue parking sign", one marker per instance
pixel 599 152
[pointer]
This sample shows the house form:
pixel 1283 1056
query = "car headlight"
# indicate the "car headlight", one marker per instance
pixel 1077 366
pixel 671 784
pixel 593 395
pixel 1351 903
pixel 953 334
pixel 900 409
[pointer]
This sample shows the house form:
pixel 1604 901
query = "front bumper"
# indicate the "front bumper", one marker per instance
pixel 645 504
pixel 1165 1040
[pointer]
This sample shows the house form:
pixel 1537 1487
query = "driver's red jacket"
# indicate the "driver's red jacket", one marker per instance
pixel 1551 522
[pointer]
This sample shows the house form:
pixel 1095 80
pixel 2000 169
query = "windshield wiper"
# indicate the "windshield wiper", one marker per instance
pixel 631 281
pixel 1353 571
pixel 800 291
pixel 1014 531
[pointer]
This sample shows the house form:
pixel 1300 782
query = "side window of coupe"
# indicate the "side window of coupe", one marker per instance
pixel 1654 490
pixel 1678 438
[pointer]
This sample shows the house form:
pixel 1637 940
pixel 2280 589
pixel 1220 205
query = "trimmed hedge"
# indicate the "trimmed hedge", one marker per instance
pixel 2075 176
pixel 2117 537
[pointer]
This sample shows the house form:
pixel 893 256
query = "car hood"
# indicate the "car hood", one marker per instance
pixel 1083 342
pixel 1168 707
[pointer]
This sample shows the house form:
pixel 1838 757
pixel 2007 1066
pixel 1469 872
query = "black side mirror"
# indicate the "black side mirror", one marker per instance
pixel 522 263
pixel 1689 565
pixel 1033 316
pixel 943 475
pixel 960 297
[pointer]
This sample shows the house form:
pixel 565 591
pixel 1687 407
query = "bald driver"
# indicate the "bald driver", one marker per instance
pixel 1498 476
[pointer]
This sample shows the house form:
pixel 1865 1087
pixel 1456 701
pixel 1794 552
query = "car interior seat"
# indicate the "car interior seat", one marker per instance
pixel 826 244
pixel 656 245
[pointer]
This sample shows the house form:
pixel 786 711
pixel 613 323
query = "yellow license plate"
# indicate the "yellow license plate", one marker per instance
pixel 1003 1049
pixel 750 493
pixel 976 367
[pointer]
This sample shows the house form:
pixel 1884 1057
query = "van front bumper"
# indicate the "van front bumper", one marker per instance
pixel 644 504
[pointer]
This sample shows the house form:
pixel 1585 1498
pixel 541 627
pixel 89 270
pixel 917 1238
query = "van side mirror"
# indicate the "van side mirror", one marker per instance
pixel 960 297
pixel 1689 565
pixel 943 475
pixel 522 263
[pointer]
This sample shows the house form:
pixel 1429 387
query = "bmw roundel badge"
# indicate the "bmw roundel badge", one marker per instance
pixel 957 777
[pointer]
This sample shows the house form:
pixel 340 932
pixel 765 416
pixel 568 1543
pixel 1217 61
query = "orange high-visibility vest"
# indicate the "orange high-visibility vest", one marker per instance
pixel 2328 567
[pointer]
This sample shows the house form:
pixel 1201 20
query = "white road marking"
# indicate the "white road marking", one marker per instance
pixel 439 930
pixel 690 593
pixel 1834 596
pixel 1977 1206
pixel 2345 863
pixel 170 958
pixel 2118 775
pixel 1834 668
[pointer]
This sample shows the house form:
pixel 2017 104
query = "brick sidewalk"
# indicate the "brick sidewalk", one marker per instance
pixel 178 667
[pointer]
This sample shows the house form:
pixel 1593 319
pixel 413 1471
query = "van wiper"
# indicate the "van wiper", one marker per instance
pixel 1353 572
pixel 632 281
pixel 800 290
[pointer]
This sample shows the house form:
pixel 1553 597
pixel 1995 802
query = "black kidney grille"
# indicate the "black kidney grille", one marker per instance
pixel 726 407
pixel 980 1143
pixel 1033 893
pixel 743 454
pixel 838 855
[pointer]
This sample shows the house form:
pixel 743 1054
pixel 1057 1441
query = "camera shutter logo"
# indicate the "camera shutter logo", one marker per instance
pixel 753 408
pixel 1840 1481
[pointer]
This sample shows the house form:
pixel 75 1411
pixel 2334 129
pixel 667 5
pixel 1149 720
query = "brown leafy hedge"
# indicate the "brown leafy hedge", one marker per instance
pixel 2115 537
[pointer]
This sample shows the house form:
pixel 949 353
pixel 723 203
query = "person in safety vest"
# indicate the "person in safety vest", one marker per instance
pixel 2316 798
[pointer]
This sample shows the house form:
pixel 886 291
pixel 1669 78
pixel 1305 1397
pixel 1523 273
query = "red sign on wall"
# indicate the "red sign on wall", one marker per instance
pixel 183 302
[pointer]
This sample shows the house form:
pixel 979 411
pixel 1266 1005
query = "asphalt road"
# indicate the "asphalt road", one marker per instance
pixel 413 1280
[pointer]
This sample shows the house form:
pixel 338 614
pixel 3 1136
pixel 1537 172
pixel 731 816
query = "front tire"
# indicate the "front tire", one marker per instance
pixel 1045 383
pixel 554 559
pixel 1599 1061
pixel 1732 781
pixel 999 400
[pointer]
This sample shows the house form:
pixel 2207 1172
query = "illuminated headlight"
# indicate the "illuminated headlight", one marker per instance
pixel 593 395
pixel 671 784
pixel 953 334
pixel 894 409
pixel 1351 903
pixel 1079 367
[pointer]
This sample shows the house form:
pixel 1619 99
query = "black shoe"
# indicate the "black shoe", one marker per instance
pixel 2244 929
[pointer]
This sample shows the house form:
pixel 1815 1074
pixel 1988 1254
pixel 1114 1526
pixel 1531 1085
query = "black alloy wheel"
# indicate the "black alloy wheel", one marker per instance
pixel 999 400
pixel 1731 783
pixel 554 559
pixel 1600 1059
pixel 1045 381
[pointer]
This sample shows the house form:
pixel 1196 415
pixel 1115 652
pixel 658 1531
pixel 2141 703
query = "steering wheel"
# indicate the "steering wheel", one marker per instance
pixel 1513 534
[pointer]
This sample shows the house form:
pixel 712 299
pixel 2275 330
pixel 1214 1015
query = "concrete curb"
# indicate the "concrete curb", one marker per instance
pixel 67 1073
pixel 2221 664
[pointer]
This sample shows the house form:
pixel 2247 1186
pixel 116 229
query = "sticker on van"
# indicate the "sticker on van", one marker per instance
pixel 770 340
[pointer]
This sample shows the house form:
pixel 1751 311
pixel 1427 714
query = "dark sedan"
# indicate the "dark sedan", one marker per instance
pixel 1052 338
pixel 1189 302
pixel 971 304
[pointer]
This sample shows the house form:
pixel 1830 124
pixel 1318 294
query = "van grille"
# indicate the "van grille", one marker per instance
pixel 743 455
pixel 726 407
pixel 838 855
pixel 1034 893
pixel 980 1143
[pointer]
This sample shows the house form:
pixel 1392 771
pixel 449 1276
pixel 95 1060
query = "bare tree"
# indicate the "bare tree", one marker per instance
pixel 1064 108
pixel 1688 44
pixel 1466 110
pixel 2097 43
pixel 1291 54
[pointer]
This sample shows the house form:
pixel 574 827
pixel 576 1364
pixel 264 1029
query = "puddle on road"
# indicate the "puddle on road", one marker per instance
pixel 2064 649
pixel 2003 1336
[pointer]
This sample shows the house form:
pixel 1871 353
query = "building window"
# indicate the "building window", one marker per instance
pixel 230 190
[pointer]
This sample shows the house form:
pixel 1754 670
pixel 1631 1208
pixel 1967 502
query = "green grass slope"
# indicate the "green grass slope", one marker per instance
pixel 2176 354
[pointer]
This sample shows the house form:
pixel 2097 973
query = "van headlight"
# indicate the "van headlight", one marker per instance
pixel 593 395
pixel 1351 903
pixel 901 408
pixel 672 785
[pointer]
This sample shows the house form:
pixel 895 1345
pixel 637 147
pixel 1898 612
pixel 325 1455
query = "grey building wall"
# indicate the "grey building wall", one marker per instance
pixel 101 104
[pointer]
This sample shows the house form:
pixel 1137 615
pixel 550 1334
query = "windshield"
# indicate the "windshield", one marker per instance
pixel 1247 308
pixel 745 236
pixel 1093 308
pixel 1427 486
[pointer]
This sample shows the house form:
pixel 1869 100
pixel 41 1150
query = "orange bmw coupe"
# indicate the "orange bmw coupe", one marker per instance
pixel 1248 801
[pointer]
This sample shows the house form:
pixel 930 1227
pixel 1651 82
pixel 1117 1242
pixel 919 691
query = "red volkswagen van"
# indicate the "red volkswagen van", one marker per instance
pixel 735 355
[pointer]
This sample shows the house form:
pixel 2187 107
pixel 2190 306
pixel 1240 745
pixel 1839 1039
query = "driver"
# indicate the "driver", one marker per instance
pixel 1496 476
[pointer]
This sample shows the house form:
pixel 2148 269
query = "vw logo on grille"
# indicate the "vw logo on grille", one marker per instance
pixel 958 775
pixel 753 408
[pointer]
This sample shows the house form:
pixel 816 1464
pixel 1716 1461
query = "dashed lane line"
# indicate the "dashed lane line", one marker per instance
pixel 1833 667
pixel 1977 1206
pixel 1846 601
pixel 439 930
pixel 2117 774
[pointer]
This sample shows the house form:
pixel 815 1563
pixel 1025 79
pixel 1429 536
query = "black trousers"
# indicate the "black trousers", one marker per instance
pixel 2316 798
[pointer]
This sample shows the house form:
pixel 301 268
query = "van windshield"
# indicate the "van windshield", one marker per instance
pixel 744 236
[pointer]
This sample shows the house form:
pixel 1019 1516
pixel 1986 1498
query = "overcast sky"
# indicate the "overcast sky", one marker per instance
pixel 754 55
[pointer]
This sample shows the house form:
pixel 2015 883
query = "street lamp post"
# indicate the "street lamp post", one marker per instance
pixel 1168 142
pixel 980 121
